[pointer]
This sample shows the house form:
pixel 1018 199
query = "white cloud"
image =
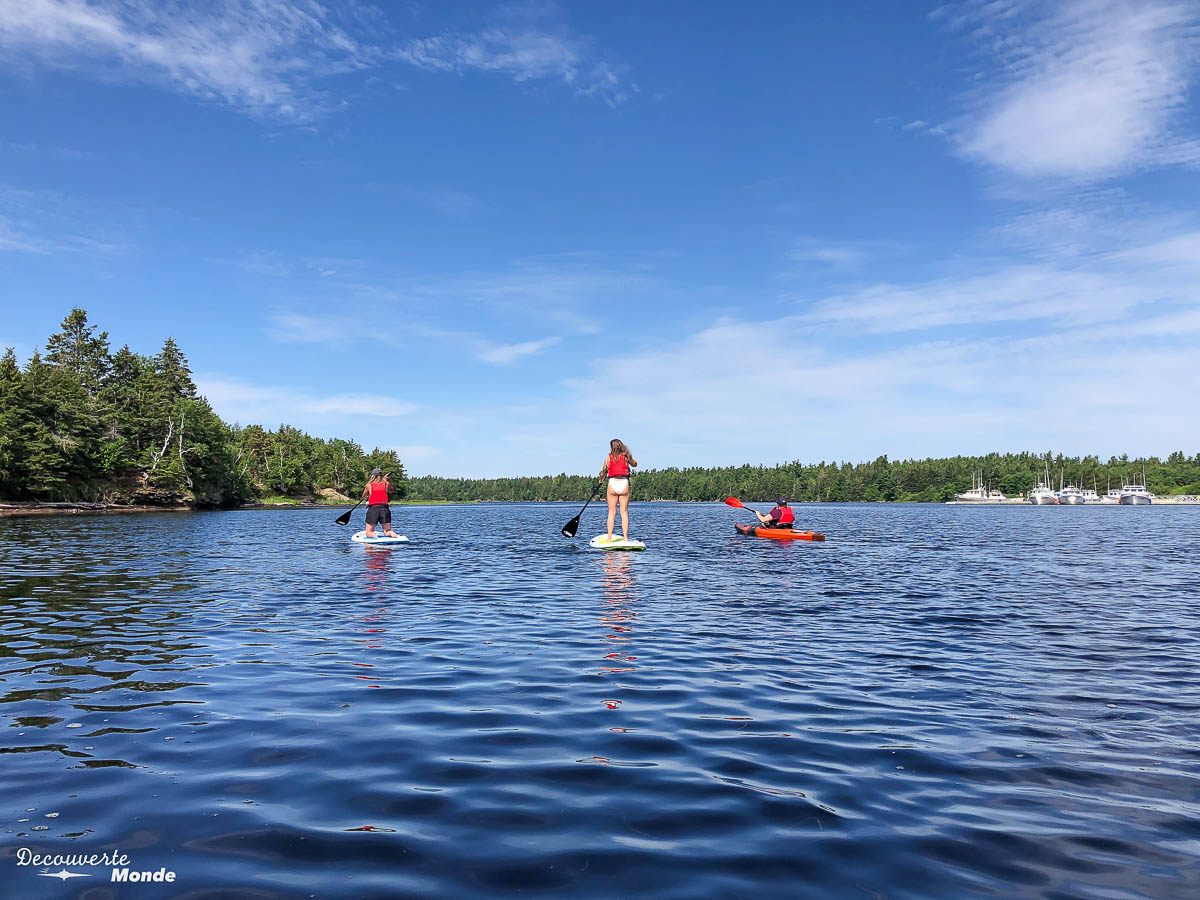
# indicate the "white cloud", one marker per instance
pixel 502 309
pixel 1018 293
pixel 528 45
pixel 262 56
pixel 45 222
pixel 847 255
pixel 506 354
pixel 1095 356
pixel 696 402
pixel 237 401
pixel 290 327
pixel 19 241
pixel 1087 89
pixel 271 58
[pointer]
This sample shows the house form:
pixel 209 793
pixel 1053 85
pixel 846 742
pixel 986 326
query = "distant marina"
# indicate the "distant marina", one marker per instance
pixel 1069 495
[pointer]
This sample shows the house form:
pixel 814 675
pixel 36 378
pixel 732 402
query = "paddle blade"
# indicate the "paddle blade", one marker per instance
pixel 571 528
pixel 344 518
pixel 734 502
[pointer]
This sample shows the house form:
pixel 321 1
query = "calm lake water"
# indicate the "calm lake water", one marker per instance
pixel 938 702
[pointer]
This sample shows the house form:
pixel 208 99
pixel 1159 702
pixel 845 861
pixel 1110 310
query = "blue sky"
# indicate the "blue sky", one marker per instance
pixel 495 236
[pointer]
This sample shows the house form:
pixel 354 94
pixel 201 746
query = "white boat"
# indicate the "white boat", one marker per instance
pixel 1135 495
pixel 1112 495
pixel 1071 496
pixel 979 493
pixel 1043 494
pixel 1090 495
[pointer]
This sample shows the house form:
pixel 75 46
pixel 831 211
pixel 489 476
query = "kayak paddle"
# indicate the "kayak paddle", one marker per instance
pixel 344 518
pixel 572 527
pixel 738 504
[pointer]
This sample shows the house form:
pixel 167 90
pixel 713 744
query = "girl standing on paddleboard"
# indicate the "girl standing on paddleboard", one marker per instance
pixel 617 469
pixel 378 511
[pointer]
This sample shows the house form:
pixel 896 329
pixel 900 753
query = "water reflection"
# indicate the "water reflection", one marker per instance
pixel 618 617
pixel 377 565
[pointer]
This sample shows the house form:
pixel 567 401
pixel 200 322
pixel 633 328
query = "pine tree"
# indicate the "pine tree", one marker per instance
pixel 11 417
pixel 79 350
pixel 173 373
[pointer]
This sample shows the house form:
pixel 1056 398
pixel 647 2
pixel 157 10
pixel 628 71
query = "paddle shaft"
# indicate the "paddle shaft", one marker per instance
pixel 572 527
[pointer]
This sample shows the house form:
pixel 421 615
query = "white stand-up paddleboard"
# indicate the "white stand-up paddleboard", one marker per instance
pixel 361 537
pixel 601 542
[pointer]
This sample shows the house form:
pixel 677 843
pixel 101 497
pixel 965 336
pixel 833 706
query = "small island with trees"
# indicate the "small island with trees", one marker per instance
pixel 81 425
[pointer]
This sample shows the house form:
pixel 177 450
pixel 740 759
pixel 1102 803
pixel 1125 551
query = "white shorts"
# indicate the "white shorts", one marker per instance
pixel 618 486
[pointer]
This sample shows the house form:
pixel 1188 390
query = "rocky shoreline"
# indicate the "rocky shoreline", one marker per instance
pixel 69 508
pixel 66 508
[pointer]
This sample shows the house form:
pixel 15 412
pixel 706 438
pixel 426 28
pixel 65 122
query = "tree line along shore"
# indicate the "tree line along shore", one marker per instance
pixel 81 425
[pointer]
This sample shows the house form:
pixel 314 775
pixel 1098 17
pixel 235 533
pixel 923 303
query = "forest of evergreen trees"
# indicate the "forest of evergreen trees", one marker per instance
pixel 83 423
pixel 920 480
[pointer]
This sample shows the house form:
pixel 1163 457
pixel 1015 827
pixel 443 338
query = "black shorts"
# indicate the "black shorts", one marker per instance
pixel 379 514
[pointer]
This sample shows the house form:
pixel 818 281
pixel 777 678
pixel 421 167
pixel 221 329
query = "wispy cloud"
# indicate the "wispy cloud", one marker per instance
pixel 506 354
pixel 848 255
pixel 1013 294
pixel 1108 285
pixel 45 222
pixel 1086 90
pixel 16 240
pixel 57 152
pixel 262 56
pixel 1019 356
pixel 282 265
pixel 498 317
pixel 273 58
pixel 821 397
pixel 527 43
pixel 239 401
pixel 290 327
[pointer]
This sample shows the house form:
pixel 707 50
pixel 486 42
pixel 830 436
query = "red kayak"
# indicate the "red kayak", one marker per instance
pixel 780 534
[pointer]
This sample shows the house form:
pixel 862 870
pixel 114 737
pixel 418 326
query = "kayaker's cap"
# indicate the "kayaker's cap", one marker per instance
pixel 782 501
pixel 375 472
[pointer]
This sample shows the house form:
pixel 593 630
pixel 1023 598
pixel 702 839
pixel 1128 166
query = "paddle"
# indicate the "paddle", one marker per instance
pixel 344 518
pixel 738 504
pixel 572 527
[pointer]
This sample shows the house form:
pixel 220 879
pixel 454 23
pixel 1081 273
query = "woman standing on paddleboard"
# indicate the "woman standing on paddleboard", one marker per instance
pixel 617 469
pixel 378 511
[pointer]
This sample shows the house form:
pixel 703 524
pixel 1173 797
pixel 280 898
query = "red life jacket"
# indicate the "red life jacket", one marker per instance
pixel 378 493
pixel 618 466
pixel 786 516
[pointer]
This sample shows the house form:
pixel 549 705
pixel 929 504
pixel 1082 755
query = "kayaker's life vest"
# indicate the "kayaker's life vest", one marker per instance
pixel 378 493
pixel 785 517
pixel 618 466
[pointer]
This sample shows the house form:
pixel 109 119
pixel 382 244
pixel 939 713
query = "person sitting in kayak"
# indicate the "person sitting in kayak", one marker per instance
pixel 378 511
pixel 617 469
pixel 779 517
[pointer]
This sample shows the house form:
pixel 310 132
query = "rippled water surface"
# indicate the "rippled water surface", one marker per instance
pixel 937 702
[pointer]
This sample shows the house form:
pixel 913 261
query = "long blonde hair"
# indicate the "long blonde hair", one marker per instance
pixel 616 447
